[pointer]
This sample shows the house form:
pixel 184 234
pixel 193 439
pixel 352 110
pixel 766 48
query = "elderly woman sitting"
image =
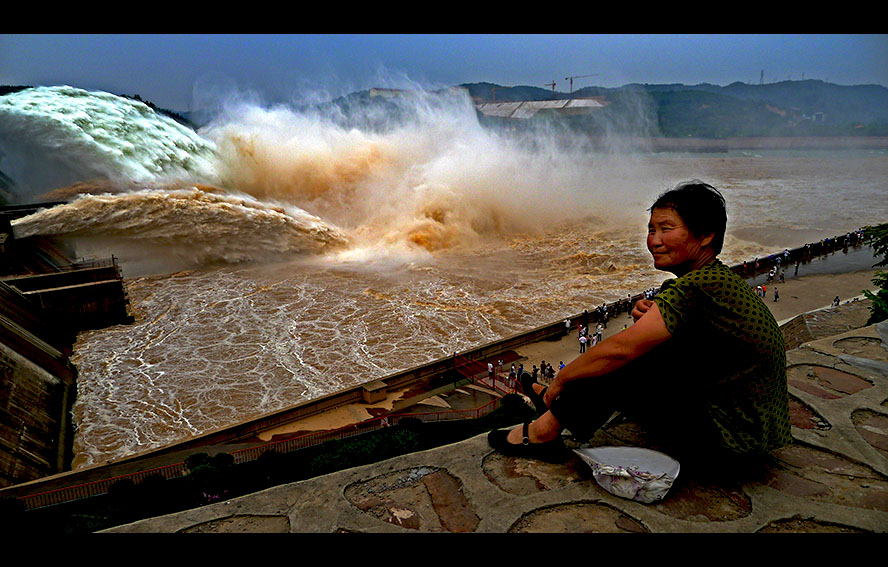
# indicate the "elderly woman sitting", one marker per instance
pixel 704 364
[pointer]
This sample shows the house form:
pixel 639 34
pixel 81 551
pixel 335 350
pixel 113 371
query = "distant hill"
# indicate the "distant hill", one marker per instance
pixel 787 108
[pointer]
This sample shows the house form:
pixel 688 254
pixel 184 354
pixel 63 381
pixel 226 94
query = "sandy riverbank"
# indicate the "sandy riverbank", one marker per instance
pixel 768 143
pixel 800 295
pixel 796 296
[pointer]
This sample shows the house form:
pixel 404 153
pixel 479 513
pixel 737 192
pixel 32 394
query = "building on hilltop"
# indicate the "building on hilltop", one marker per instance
pixel 526 109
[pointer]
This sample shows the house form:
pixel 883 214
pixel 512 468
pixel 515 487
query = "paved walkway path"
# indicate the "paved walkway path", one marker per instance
pixel 833 478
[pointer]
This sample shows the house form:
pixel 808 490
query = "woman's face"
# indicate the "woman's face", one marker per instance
pixel 674 247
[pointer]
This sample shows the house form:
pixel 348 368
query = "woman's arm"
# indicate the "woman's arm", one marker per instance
pixel 613 352
pixel 641 307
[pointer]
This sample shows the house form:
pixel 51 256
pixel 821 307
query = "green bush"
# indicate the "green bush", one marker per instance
pixel 209 476
pixel 222 460
pixel 196 460
pixel 12 516
pixel 879 307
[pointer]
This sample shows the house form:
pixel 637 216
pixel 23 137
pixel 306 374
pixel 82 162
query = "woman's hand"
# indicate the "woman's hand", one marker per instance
pixel 615 351
pixel 641 307
pixel 552 391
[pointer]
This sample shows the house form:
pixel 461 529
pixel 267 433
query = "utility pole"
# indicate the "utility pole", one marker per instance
pixel 571 79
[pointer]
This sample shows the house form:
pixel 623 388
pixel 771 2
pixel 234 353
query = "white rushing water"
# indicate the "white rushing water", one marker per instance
pixel 53 136
pixel 277 256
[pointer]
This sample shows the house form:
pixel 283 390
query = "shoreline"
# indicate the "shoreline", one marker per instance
pixel 797 296
pixel 764 143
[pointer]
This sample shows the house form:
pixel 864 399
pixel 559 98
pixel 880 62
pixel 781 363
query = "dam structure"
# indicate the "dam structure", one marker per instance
pixel 46 298
pixel 39 382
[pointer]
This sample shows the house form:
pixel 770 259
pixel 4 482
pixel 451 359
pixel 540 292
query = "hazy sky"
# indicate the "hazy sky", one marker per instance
pixel 171 70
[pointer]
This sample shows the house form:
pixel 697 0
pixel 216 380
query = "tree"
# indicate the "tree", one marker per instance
pixel 879 307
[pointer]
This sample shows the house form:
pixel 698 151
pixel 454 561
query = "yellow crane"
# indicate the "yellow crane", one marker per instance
pixel 571 79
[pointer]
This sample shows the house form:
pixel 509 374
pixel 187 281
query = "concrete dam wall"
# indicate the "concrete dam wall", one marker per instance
pixel 37 387
pixel 43 305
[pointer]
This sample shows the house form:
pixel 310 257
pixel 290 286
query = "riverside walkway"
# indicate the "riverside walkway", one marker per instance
pixel 833 478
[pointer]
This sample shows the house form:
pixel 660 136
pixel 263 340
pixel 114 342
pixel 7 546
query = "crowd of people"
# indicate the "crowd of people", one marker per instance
pixel 587 339
pixel 779 261
pixel 762 291
pixel 587 336
pixel 544 373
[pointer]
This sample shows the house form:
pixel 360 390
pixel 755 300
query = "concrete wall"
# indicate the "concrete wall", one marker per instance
pixel 796 332
pixel 37 386
pixel 85 298
pixel 35 428
pixel 38 324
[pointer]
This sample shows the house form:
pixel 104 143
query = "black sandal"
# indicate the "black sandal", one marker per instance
pixel 527 382
pixel 499 440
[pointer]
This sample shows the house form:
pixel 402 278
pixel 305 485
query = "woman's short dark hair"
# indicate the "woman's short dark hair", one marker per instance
pixel 700 206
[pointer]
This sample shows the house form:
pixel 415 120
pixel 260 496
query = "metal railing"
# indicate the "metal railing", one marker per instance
pixel 480 374
pixel 178 470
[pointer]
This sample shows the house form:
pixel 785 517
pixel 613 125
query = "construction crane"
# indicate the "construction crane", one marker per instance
pixel 571 79
pixel 552 84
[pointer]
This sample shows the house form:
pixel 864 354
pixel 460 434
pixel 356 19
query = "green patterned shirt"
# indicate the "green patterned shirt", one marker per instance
pixel 733 353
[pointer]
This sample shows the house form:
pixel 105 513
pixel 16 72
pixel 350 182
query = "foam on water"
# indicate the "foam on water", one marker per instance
pixel 53 136
pixel 150 230
pixel 437 181
pixel 404 187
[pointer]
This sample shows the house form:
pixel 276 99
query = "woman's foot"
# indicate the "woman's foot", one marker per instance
pixel 538 431
pixel 540 439
pixel 534 390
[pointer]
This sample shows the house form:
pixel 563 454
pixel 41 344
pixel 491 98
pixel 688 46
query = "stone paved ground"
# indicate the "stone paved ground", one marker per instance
pixel 833 478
